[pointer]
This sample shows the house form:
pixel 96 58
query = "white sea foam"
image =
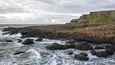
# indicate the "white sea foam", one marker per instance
pixel 8 36
pixel 16 36
pixel 32 55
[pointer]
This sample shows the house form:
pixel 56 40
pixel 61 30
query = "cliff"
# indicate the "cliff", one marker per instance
pixel 97 17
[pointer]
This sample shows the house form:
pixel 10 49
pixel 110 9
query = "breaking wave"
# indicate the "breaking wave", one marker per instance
pixel 37 54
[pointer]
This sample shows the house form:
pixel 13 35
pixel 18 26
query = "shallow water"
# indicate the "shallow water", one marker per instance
pixel 37 54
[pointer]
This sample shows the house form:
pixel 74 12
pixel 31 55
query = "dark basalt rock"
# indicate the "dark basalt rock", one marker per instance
pixel 28 42
pixel 56 46
pixel 83 46
pixel 39 39
pixel 9 41
pixel 24 33
pixel 70 46
pixel 70 53
pixel 19 52
pixel 109 51
pixel 11 30
pixel 70 42
pixel 110 47
pixel 19 40
pixel 81 57
pixel 99 47
pixel 24 36
pixel 84 54
pixel 93 52
pixel 5 33
pixel 102 54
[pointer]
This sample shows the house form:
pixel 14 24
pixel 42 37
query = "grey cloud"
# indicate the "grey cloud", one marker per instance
pixel 77 6
pixel 11 9
pixel 62 6
pixel 43 19
pixel 55 6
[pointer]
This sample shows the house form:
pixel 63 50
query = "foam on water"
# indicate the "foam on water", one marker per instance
pixel 33 54
pixel 37 54
pixel 8 36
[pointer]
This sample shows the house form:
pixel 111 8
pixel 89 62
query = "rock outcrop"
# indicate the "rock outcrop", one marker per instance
pixel 83 46
pixel 28 42
pixel 56 46
pixel 81 57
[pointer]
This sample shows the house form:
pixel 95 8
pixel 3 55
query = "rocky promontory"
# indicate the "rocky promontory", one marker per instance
pixel 97 27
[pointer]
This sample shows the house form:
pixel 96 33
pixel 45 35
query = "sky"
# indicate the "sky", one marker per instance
pixel 48 11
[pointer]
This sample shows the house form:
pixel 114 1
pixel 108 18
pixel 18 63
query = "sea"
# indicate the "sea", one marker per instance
pixel 37 54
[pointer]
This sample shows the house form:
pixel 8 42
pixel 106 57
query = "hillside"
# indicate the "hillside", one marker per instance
pixel 97 17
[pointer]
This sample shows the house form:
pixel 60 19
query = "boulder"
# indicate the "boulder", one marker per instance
pixel 81 57
pixel 99 47
pixel 84 54
pixel 109 51
pixel 56 46
pixel 24 33
pixel 102 54
pixel 19 40
pixel 70 42
pixel 5 33
pixel 70 46
pixel 39 39
pixel 83 46
pixel 9 41
pixel 70 53
pixel 28 42
pixel 93 52
pixel 19 52
pixel 24 36
pixel 110 47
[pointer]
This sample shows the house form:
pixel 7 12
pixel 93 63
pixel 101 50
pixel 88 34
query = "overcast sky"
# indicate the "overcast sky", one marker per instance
pixel 48 11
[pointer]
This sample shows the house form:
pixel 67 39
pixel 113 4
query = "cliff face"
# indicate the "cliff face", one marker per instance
pixel 97 17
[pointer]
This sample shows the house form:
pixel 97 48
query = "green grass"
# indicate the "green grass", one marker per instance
pixel 97 17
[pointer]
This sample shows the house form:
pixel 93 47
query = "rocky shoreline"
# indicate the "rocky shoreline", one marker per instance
pixel 63 32
pixel 96 27
pixel 103 42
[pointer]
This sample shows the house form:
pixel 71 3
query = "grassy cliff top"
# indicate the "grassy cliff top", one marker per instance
pixel 97 17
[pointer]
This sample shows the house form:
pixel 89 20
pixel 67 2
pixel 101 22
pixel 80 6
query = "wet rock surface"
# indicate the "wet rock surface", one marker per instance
pixel 109 51
pixel 83 46
pixel 70 53
pixel 9 41
pixel 39 39
pixel 38 54
pixel 81 57
pixel 19 40
pixel 56 46
pixel 102 54
pixel 99 47
pixel 93 52
pixel 28 42
pixel 19 52
pixel 84 54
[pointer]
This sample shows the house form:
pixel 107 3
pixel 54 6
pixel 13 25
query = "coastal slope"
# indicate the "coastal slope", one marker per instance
pixel 97 27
